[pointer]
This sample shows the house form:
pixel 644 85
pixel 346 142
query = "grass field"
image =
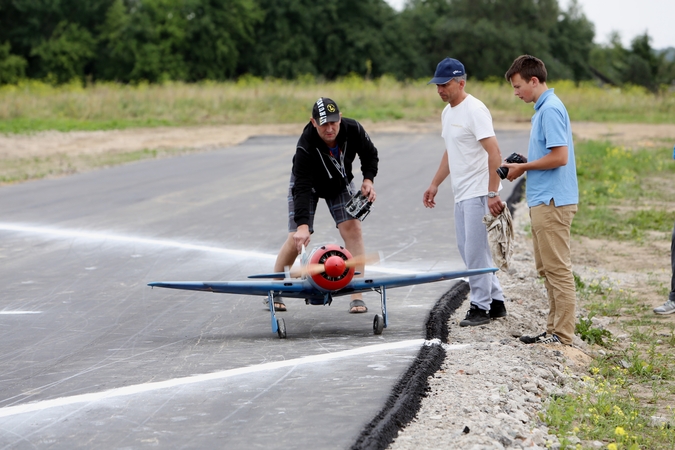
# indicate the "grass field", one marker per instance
pixel 34 106
pixel 626 399
pixel 621 191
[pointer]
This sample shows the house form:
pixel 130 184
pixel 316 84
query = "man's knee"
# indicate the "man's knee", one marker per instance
pixel 353 241
pixel 350 227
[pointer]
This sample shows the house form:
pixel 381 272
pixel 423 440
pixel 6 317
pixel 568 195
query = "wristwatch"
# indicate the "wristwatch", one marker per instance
pixel 493 194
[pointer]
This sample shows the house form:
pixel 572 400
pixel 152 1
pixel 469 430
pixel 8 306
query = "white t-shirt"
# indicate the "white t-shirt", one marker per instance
pixel 463 127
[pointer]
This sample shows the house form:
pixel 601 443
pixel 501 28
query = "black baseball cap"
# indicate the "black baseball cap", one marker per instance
pixel 325 110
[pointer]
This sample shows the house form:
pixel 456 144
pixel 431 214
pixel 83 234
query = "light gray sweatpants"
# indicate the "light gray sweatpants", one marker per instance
pixel 472 241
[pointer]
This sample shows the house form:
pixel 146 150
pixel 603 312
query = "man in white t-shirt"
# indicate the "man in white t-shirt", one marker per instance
pixel 472 157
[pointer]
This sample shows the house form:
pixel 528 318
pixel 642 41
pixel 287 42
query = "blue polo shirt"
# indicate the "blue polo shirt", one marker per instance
pixel 551 127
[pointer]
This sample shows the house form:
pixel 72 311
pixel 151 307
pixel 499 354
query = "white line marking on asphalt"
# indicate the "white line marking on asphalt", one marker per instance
pixel 149 387
pixel 87 235
pixel 19 312
pixel 79 234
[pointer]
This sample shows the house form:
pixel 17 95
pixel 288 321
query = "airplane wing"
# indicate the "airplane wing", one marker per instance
pixel 301 288
pixel 370 283
pixel 287 288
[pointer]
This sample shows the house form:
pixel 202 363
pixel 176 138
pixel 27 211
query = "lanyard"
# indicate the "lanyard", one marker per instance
pixel 340 166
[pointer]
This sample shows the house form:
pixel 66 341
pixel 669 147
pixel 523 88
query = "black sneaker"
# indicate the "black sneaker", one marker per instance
pixel 497 309
pixel 475 316
pixel 540 339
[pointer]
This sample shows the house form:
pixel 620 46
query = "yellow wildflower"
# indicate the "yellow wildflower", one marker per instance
pixel 618 412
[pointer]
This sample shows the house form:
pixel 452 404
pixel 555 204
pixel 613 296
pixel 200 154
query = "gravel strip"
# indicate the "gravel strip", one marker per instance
pixel 491 388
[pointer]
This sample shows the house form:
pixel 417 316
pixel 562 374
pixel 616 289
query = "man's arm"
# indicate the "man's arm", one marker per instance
pixel 491 146
pixel 368 190
pixel 367 155
pixel 557 157
pixel 301 199
pixel 302 237
pixel 441 174
pixel 302 188
pixel 369 163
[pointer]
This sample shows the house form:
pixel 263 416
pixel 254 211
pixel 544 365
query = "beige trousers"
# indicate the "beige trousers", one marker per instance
pixel 552 257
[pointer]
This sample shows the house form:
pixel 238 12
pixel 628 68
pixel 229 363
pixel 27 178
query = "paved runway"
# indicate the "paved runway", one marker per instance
pixel 91 357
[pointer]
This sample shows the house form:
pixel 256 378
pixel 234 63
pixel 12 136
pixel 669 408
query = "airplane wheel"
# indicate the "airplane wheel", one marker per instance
pixel 378 324
pixel 281 328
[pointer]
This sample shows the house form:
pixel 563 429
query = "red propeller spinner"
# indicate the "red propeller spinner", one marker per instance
pixel 337 272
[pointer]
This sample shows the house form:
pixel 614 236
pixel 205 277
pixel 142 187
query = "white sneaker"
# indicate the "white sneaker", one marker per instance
pixel 667 308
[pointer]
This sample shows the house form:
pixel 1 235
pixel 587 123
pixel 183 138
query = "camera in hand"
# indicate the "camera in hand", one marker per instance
pixel 514 158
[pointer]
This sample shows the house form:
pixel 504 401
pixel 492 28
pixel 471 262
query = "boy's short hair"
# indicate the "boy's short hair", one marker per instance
pixel 527 67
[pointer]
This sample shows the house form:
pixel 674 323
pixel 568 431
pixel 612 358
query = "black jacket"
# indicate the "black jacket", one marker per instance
pixel 315 170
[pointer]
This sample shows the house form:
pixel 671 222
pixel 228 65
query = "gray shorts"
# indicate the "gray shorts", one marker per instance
pixel 336 206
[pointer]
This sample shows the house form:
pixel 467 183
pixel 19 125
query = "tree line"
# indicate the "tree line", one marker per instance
pixel 130 41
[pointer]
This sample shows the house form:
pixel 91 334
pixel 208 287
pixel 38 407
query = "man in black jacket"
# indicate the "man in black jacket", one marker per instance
pixel 322 168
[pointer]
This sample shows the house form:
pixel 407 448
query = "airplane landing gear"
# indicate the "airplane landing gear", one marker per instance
pixel 378 324
pixel 281 328
pixel 278 325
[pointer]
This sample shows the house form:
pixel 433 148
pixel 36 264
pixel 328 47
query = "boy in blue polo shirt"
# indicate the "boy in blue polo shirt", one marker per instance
pixel 552 195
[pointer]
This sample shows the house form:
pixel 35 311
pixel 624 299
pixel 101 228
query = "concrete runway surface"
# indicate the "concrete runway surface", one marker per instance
pixel 91 357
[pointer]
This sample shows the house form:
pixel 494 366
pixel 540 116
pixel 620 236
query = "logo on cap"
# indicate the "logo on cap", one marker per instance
pixel 322 111
pixel 446 70
pixel 325 110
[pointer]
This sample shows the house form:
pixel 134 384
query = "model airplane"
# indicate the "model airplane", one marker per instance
pixel 327 272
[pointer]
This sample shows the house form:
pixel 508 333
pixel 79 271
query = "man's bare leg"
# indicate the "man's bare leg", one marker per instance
pixel 285 258
pixel 353 237
pixel 287 254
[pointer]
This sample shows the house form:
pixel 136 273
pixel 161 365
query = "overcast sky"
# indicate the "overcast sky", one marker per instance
pixel 629 17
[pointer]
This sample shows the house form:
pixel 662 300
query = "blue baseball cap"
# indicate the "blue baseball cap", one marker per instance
pixel 446 70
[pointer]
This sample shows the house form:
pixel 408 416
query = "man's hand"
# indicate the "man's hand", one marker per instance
pixel 556 157
pixel 301 237
pixel 368 190
pixel 515 171
pixel 495 205
pixel 429 196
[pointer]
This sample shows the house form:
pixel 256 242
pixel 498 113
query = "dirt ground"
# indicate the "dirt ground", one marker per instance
pixel 93 142
pixel 645 269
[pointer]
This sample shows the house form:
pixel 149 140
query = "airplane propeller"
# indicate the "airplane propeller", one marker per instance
pixel 334 266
